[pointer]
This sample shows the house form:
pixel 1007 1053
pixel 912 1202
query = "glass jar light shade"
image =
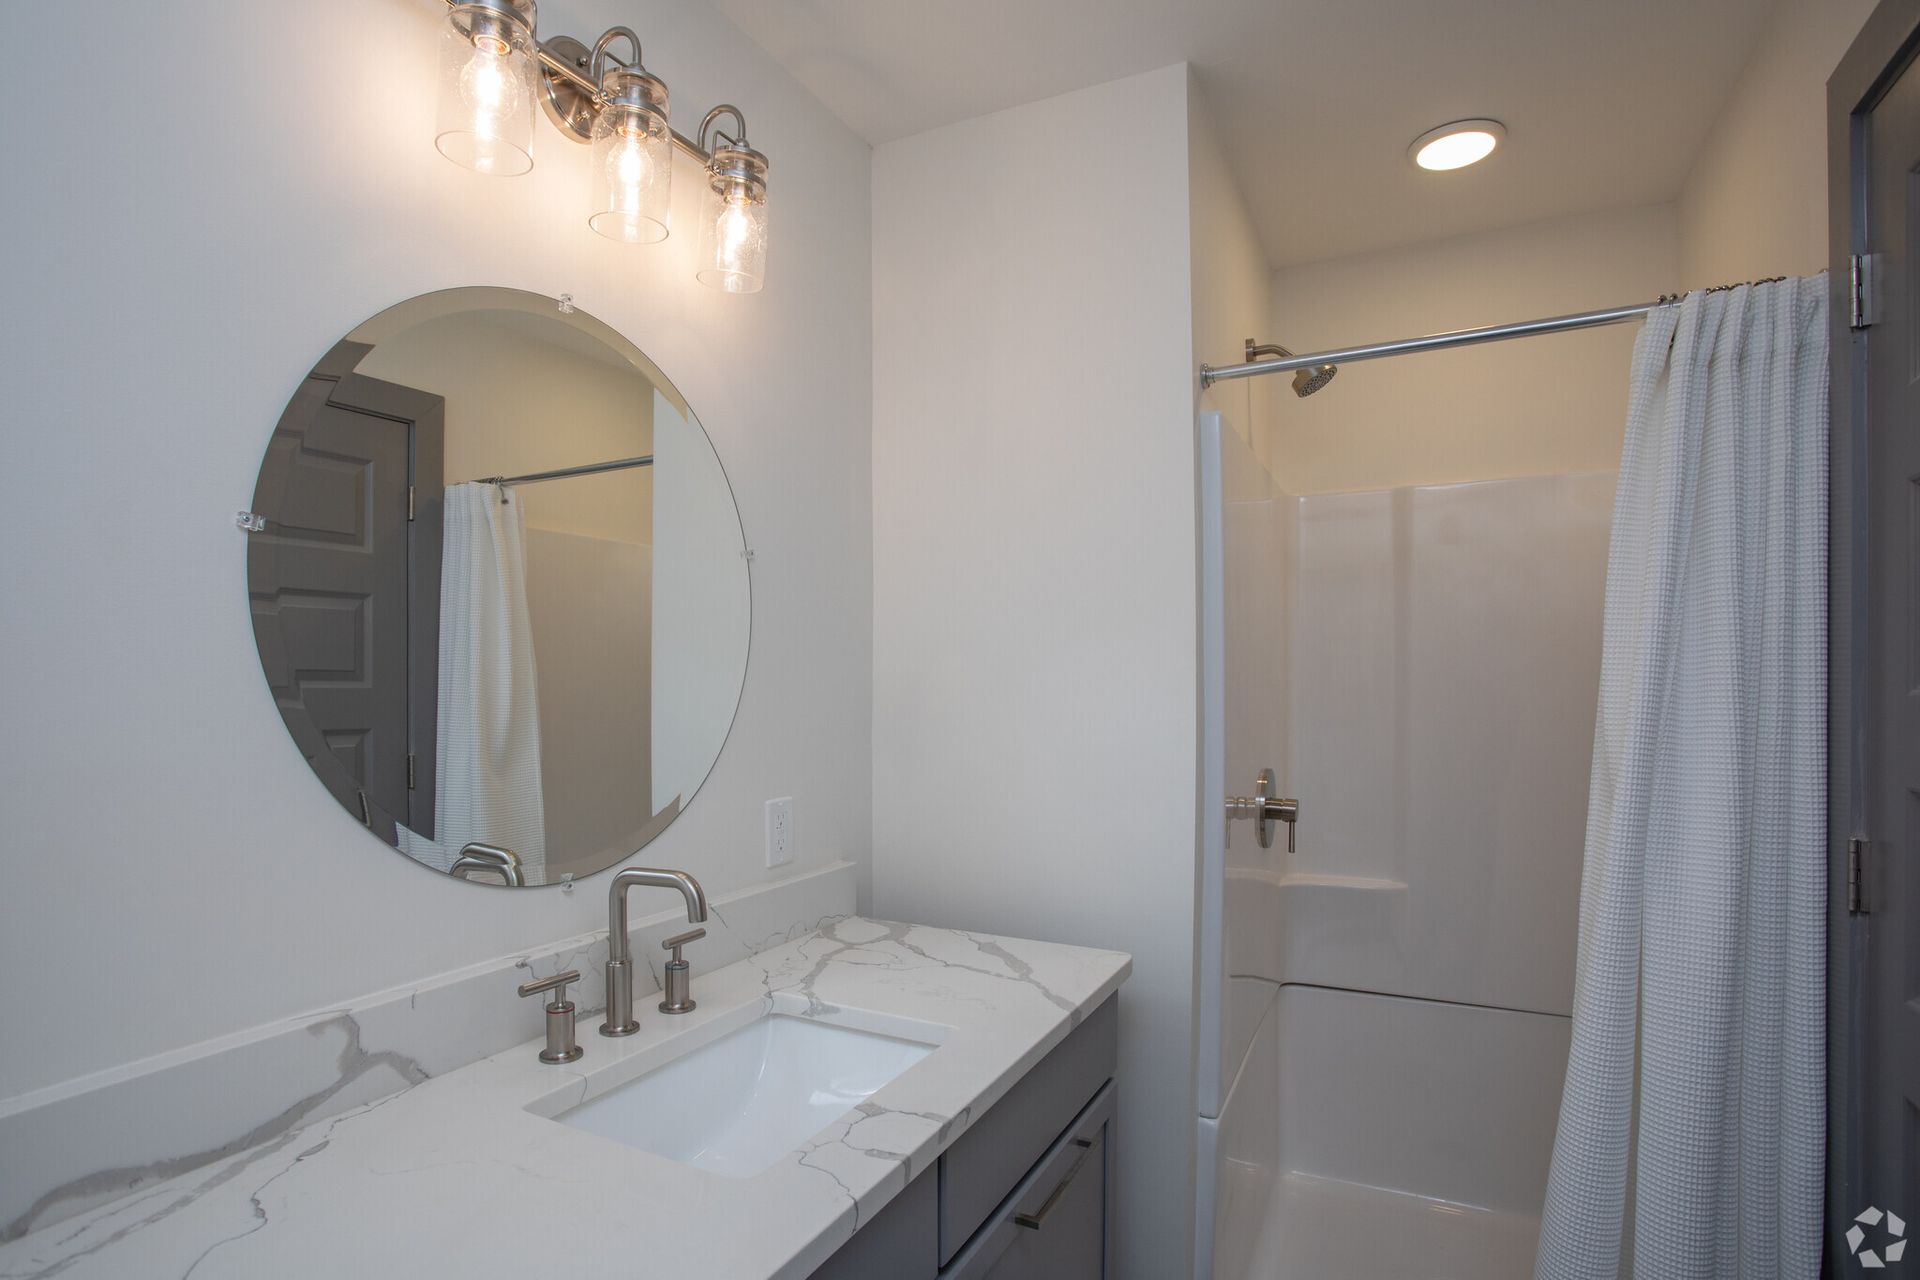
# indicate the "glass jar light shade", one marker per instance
pixel 632 174
pixel 489 73
pixel 733 235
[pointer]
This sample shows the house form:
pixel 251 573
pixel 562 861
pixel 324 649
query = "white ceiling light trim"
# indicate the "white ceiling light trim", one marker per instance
pixel 1457 145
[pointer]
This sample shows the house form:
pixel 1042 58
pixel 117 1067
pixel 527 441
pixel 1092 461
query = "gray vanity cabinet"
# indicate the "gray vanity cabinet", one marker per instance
pixel 1057 1224
pixel 1069 1245
pixel 1026 1193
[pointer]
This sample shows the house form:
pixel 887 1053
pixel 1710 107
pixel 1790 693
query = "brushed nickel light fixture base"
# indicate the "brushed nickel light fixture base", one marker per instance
pixel 568 104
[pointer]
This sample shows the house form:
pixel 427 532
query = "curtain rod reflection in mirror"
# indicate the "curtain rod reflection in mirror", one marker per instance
pixel 591 468
pixel 493 66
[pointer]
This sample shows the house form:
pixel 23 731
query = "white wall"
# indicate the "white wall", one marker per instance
pixel 178 274
pixel 1542 406
pixel 502 422
pixel 1034 726
pixel 701 608
pixel 590 605
pixel 1232 285
pixel 1755 201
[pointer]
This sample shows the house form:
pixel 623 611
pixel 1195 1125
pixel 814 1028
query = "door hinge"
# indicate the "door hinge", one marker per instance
pixel 409 502
pixel 411 761
pixel 1859 291
pixel 1857 904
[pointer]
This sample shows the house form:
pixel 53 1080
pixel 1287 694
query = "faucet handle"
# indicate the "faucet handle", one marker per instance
pixel 557 984
pixel 678 941
pixel 561 1045
pixel 1265 807
pixel 677 976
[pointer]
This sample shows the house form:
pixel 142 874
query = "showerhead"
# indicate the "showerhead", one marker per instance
pixel 1308 381
pixel 1305 381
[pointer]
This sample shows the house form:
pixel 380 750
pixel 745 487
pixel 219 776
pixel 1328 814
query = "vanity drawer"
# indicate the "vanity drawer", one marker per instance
pixel 1056 1225
pixel 1001 1148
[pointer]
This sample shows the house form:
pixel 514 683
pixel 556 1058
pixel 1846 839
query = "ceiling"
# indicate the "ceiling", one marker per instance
pixel 1606 103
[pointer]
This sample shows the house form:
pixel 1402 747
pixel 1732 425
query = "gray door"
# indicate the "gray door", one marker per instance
pixel 1874 108
pixel 344 584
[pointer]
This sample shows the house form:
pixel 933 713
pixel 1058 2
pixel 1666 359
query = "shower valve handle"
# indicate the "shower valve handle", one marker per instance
pixel 1265 808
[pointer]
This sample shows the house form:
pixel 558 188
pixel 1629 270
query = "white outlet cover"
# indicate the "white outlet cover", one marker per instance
pixel 780 831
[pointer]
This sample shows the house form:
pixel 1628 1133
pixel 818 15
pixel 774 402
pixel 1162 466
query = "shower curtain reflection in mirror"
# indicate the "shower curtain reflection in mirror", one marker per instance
pixel 489 783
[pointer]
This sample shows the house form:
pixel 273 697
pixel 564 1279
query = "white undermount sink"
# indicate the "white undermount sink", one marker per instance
pixel 738 1105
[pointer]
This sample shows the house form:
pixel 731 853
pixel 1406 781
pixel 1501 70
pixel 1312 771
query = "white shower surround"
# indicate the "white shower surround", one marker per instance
pixel 1396 639
pixel 1333 1163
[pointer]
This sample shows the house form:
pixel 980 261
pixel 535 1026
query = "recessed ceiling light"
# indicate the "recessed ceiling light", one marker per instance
pixel 1457 145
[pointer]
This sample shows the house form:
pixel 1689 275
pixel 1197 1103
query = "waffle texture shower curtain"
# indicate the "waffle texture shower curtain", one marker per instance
pixel 489 783
pixel 1692 1126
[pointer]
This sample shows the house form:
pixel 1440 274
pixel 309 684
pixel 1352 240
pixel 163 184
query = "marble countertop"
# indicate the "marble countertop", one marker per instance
pixel 462 1174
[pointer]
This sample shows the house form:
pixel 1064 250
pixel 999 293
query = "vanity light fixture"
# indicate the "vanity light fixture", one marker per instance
pixel 492 67
pixel 632 149
pixel 733 219
pixel 1457 145
pixel 486 86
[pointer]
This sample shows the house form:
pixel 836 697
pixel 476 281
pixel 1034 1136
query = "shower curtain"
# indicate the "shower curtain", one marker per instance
pixel 1692 1126
pixel 488 776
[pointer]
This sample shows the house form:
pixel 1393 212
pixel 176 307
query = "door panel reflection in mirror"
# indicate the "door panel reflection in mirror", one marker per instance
pixel 549 665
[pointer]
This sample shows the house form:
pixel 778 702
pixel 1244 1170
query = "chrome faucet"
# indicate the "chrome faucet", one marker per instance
pixel 1265 807
pixel 620 1020
pixel 488 858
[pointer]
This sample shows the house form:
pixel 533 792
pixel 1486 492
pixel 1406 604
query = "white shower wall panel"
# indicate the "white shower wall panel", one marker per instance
pixel 1440 1100
pixel 1368 1136
pixel 1246 577
pixel 1258 532
pixel 1444 656
pixel 1240 1151
pixel 1385 1022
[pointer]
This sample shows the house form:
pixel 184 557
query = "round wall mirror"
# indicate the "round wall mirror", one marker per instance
pixel 499 586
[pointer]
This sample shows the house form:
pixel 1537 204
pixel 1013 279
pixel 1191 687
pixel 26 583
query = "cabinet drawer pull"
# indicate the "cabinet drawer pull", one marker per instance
pixel 1034 1221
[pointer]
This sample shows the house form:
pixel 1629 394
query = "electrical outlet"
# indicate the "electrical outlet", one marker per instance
pixel 780 831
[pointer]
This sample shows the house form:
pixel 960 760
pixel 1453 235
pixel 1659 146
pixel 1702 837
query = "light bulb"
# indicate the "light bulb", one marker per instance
pixel 489 87
pixel 733 235
pixel 632 173
pixel 486 87
pixel 734 242
pixel 733 217
pixel 629 169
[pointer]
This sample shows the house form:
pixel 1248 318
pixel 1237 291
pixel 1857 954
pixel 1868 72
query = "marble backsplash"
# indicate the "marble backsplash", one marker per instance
pixel 82 1143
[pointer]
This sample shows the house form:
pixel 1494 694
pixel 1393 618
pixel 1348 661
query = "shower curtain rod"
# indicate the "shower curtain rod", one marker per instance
pixel 1441 341
pixel 1434 342
pixel 591 468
